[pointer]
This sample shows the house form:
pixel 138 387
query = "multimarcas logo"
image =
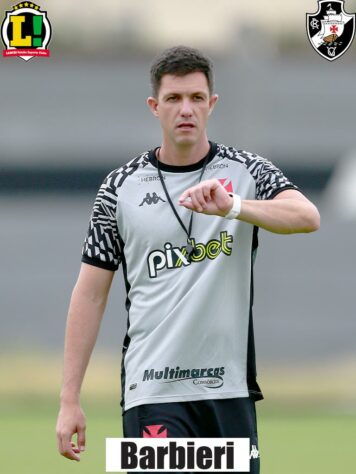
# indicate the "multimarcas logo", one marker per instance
pixel 26 32
pixel 176 257
pixel 211 377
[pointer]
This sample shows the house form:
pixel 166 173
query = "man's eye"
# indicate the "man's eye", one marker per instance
pixel 198 98
pixel 172 98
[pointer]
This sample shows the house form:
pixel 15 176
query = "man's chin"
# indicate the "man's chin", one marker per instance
pixel 186 141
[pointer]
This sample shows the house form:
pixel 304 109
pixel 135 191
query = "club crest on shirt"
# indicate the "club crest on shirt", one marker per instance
pixel 330 30
pixel 227 183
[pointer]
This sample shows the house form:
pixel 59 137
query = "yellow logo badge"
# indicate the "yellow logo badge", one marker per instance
pixel 26 32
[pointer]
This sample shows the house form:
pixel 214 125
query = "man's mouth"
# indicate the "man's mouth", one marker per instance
pixel 187 125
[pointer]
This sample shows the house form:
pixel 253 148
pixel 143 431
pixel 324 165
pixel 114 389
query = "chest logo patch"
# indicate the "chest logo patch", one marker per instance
pixel 227 184
pixel 152 198
pixel 176 257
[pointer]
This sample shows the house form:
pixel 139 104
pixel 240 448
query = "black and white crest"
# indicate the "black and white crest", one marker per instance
pixel 331 30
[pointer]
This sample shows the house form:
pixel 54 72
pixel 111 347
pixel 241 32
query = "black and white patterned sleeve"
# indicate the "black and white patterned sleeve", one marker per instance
pixel 101 245
pixel 269 179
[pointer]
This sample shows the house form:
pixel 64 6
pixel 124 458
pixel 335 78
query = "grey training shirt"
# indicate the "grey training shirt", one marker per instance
pixel 190 331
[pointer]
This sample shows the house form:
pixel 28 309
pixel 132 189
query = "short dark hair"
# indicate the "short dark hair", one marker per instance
pixel 179 61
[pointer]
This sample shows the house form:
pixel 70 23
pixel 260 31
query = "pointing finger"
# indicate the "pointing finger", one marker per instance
pixel 199 199
pixel 184 196
pixel 187 204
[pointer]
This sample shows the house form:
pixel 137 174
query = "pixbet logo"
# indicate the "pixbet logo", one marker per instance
pixel 176 257
pixel 26 32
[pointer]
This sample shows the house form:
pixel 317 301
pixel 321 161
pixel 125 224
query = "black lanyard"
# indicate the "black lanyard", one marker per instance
pixel 190 249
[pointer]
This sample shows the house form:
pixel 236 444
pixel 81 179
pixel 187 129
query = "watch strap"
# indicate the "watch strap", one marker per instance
pixel 236 207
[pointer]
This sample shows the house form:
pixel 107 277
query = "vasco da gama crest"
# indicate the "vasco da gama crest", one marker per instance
pixel 331 30
pixel 26 32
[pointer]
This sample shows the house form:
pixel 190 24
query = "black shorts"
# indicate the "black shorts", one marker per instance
pixel 227 418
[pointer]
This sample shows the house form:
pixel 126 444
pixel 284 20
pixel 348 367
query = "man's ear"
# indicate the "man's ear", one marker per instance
pixel 212 101
pixel 152 103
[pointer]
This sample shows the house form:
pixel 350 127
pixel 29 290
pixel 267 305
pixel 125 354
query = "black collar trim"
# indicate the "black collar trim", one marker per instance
pixel 185 168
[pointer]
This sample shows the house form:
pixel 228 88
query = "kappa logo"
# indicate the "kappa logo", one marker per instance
pixel 176 257
pixel 155 431
pixel 254 454
pixel 26 32
pixel 151 199
pixel 331 30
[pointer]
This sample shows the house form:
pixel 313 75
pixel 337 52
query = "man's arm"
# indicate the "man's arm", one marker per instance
pixel 86 309
pixel 288 213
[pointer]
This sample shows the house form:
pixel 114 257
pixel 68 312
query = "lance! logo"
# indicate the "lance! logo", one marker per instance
pixel 26 32
pixel 176 257
pixel 331 30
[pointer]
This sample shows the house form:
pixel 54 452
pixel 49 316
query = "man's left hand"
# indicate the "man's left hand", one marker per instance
pixel 208 197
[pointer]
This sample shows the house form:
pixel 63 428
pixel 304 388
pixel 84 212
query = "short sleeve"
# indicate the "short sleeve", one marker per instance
pixel 101 246
pixel 270 180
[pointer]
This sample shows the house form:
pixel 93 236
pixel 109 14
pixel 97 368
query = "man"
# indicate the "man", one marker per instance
pixel 182 219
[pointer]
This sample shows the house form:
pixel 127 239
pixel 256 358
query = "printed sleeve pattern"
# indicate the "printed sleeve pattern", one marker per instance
pixel 269 179
pixel 101 245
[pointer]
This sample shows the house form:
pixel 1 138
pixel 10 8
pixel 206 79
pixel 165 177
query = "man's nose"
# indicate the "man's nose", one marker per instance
pixel 186 109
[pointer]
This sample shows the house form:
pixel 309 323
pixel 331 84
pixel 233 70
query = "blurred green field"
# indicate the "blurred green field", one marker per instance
pixel 289 444
pixel 300 431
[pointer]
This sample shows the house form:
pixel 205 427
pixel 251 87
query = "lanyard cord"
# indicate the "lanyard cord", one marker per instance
pixel 190 248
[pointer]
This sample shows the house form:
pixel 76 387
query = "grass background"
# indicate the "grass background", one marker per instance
pixel 307 424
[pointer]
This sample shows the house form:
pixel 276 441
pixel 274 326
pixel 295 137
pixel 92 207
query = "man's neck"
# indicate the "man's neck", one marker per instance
pixel 184 155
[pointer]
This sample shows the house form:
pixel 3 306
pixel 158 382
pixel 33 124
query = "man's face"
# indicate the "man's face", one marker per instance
pixel 183 106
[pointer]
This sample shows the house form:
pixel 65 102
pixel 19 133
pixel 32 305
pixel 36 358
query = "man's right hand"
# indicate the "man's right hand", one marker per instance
pixel 86 309
pixel 71 420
